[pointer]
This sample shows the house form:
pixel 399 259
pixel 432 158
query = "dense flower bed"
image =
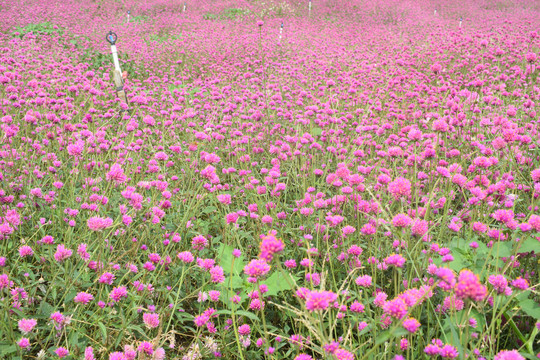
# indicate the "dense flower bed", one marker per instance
pixel 340 180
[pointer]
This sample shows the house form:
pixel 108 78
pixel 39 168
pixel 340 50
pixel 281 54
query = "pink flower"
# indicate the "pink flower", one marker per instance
pixel 62 253
pixel 342 354
pixel 27 325
pixel 468 286
pixel 257 268
pixel 448 352
pixel 83 298
pixel 364 280
pixel 269 246
pixel 25 251
pixel 499 283
pixel 186 257
pixel 508 355
pixel 146 348
pixel 151 320
pixel 396 260
pixel 118 293
pixel 401 220
pixel 24 343
pixel 411 325
pixel 216 275
pixel 267 219
pixel 61 352
pixel 395 308
pixel 199 242
pixel 347 230
pixel 231 218
pixel 97 223
pixel 224 199
pixel 419 227
pixel 116 174
pixel 320 300
pixel 400 188
pixel 520 283
pixel 244 329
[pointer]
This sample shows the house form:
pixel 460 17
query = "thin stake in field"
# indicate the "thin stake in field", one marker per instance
pixel 128 15
pixel 309 7
pixel 117 75
pixel 184 9
pixel 280 31
pixel 460 21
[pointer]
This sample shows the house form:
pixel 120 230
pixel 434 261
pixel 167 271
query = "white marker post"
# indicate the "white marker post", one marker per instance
pixel 435 12
pixel 460 21
pixel 184 9
pixel 309 7
pixel 280 32
pixel 129 12
pixel 117 76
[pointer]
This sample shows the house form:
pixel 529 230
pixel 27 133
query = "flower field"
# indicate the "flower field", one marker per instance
pixel 335 179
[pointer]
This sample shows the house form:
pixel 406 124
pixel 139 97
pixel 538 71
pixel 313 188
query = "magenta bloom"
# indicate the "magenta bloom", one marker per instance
pixel 83 298
pixel 468 286
pixel 25 251
pixel 151 320
pixel 224 199
pixel 116 174
pixel 320 300
pixel 342 354
pixel 508 355
pixel 401 220
pixel 118 293
pixel 62 253
pixel 257 268
pixel 97 223
pixel 399 188
pixel 411 325
pixel 24 343
pixel 244 329
pixel 448 352
pixel 231 218
pixel 303 357
pixel 27 325
pixel 269 246
pixel 396 260
pixel 520 283
pixel 61 352
pixel 186 257
pixel 396 308
pixel 363 280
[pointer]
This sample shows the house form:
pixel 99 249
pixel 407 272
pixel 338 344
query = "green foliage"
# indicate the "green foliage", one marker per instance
pixel 139 19
pixel 45 28
pixel 227 14
pixel 164 38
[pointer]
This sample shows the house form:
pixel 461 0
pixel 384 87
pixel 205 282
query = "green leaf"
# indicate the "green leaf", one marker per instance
pixel 248 315
pixel 530 244
pixel 503 249
pixel 7 349
pixel 74 338
pixel 227 261
pixel 279 281
pixel 459 261
pixel 70 296
pixel 481 321
pixel 103 332
pixel 383 337
pixel 400 331
pixel 45 309
pixel 316 131
pixel 530 307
